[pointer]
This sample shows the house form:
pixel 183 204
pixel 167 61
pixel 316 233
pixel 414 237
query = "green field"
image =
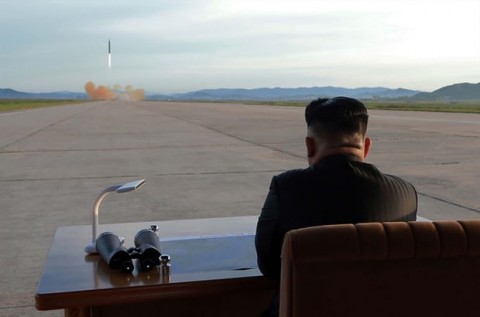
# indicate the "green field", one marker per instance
pixel 463 107
pixel 460 107
pixel 21 104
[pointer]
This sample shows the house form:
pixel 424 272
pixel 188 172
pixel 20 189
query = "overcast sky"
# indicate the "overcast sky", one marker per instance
pixel 180 45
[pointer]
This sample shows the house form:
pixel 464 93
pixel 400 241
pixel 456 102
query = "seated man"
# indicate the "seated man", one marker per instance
pixel 337 187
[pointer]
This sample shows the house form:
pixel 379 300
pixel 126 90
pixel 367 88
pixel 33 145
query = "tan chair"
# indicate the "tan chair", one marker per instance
pixel 382 269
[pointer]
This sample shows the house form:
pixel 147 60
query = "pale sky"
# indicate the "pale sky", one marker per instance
pixel 179 45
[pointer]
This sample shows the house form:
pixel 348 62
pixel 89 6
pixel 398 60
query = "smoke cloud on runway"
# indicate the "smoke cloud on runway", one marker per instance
pixel 117 93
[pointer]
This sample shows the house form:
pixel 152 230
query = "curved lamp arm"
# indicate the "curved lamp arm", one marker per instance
pixel 125 188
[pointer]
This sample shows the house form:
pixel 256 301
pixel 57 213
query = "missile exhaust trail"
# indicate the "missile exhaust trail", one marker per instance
pixel 109 55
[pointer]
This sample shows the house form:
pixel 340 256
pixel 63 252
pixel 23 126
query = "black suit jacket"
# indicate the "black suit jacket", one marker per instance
pixel 338 189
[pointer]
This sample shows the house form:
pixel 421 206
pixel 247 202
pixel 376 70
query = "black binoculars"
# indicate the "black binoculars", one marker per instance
pixel 146 250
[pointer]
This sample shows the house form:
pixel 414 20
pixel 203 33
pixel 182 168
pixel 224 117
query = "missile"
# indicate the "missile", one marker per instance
pixel 109 55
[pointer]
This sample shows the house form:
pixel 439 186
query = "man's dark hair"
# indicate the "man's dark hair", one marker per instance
pixel 337 115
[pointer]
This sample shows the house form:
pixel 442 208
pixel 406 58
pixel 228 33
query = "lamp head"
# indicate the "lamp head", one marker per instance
pixel 128 187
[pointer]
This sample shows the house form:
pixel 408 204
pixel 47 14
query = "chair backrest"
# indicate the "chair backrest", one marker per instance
pixel 382 269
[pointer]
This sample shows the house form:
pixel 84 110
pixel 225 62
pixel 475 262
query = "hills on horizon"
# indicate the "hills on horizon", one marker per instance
pixel 288 94
pixel 451 93
pixel 456 92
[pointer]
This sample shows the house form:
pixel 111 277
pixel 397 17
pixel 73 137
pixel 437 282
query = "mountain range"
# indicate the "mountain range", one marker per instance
pixel 455 92
pixel 288 94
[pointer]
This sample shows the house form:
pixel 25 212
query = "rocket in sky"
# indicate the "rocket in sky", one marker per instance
pixel 109 55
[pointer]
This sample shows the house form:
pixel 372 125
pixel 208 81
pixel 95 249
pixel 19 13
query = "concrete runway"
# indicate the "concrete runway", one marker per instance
pixel 200 160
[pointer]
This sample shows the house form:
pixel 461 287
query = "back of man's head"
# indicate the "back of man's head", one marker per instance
pixel 340 115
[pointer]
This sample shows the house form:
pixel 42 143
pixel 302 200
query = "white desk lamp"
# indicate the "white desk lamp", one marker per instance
pixel 128 187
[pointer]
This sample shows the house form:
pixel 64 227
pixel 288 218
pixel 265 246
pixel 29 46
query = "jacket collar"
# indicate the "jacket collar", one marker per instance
pixel 338 158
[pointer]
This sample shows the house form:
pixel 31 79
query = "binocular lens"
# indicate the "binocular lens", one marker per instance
pixel 147 237
pixel 113 252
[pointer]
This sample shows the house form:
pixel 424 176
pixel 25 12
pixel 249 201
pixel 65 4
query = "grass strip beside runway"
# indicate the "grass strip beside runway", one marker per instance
pixel 22 104
pixel 429 106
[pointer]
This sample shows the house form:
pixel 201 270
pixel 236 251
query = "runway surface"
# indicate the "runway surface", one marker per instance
pixel 199 160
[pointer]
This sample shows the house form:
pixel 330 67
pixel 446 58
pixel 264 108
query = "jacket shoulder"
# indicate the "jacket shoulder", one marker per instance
pixel 398 182
pixel 294 175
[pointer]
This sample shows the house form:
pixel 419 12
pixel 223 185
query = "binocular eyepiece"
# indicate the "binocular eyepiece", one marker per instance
pixel 146 250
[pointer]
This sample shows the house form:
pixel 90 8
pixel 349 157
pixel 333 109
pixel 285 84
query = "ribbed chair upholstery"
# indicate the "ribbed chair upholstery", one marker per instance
pixel 382 269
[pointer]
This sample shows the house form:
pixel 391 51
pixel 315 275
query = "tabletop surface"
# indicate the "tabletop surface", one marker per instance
pixel 200 250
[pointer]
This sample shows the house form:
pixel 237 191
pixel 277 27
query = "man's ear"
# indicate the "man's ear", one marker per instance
pixel 311 146
pixel 367 145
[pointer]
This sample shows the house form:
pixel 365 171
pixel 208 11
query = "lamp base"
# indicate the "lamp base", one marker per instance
pixel 91 248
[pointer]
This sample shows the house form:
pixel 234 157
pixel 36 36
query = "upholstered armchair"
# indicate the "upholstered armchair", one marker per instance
pixel 382 269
